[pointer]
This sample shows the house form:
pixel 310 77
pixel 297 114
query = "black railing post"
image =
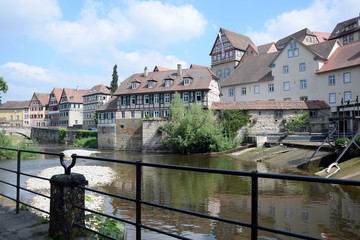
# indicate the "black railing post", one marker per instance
pixel 254 205
pixel 138 200
pixel 18 181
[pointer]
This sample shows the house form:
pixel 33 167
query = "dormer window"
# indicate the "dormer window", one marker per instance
pixel 293 50
pixel 167 83
pixel 150 84
pixel 186 81
pixel 133 85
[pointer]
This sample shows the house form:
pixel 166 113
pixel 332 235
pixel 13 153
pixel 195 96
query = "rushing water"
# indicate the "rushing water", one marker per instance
pixel 306 208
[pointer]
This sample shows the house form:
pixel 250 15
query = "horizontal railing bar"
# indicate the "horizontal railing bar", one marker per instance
pixel 13 185
pixel 37 193
pixel 107 194
pixel 106 215
pixel 31 151
pixel 9 170
pixel 107 159
pixel 34 176
pixel 290 234
pixel 28 205
pixel 8 197
pixel 197 214
pixel 93 231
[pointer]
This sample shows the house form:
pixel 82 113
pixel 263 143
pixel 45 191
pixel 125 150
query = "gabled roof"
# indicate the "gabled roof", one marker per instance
pixel 300 36
pixel 74 95
pixel 237 40
pixel 201 79
pixel 271 105
pixel 263 49
pixel 42 97
pixel 254 69
pixel 98 89
pixel 342 29
pixel 15 105
pixel 322 36
pixel 57 93
pixel 160 69
pixel 343 57
pixel 111 105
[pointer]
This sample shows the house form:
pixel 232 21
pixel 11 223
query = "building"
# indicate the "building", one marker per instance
pixel 150 93
pixel 304 36
pixel 71 107
pixel 54 110
pixel 39 112
pixel 96 97
pixel 347 31
pixel 272 116
pixel 227 51
pixel 15 113
pixel 106 124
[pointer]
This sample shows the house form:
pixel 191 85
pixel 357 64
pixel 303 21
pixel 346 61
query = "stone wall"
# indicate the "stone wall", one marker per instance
pixel 107 136
pixel 151 137
pixel 13 131
pixel 51 135
pixel 128 134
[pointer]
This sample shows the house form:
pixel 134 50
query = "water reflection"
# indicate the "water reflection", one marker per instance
pixel 307 208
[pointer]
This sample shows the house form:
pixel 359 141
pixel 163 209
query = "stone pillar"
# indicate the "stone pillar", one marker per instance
pixel 65 195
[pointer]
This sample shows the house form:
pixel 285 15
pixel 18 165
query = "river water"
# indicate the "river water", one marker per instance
pixel 314 209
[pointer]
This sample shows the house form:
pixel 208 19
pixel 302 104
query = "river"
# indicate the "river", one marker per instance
pixel 307 208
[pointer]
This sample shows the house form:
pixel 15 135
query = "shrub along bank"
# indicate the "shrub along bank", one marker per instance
pixel 16 143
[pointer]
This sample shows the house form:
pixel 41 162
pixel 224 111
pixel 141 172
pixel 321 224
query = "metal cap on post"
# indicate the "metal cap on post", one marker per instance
pixel 65 195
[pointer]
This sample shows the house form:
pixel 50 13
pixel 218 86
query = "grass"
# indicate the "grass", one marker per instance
pixel 90 142
pixel 15 143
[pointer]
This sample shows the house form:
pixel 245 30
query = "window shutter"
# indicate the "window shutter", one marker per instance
pixel 193 96
pixel 151 98
pixel 202 95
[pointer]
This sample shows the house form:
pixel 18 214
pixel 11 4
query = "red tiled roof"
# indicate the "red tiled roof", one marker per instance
pixel 343 57
pixel 201 78
pixel 57 93
pixel 42 97
pixel 75 95
pixel 101 88
pixel 15 105
pixel 271 105
pixel 322 36
pixel 160 69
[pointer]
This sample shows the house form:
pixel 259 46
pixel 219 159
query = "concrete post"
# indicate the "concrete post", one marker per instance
pixel 65 195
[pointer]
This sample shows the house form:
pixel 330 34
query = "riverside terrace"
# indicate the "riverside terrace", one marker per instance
pixel 78 227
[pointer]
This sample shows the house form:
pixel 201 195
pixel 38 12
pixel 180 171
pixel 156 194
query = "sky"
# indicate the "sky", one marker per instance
pixel 68 44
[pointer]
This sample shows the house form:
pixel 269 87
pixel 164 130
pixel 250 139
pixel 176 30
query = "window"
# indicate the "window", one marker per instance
pixel 250 52
pixel 270 87
pixel 167 98
pixel 156 114
pixel 146 99
pixel 293 50
pixel 104 129
pixel 243 91
pixel 219 73
pixel 351 38
pixel 186 97
pixel 198 96
pixel 132 114
pixel 347 77
pixel 186 81
pixel 146 113
pixel 132 100
pixel 303 84
pixel 156 98
pixel 345 40
pixel 303 98
pixel 332 97
pixel 150 84
pixel 231 53
pixel 302 67
pixel 313 114
pixel 278 114
pixel 286 86
pixel 226 72
pixel 133 85
pixel 347 96
pixel 256 89
pixel 231 92
pixel 287 99
pixel 123 114
pixel 167 83
pixel 331 80
pixel 285 69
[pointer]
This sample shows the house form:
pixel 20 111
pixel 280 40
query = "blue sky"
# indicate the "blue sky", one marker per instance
pixel 66 43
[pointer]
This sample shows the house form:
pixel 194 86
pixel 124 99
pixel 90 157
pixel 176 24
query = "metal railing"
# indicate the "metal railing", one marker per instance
pixel 253 175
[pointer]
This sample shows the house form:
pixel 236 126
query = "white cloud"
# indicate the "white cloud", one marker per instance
pixel 321 16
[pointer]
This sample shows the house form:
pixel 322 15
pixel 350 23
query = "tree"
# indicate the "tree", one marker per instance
pixel 299 123
pixel 3 87
pixel 114 82
pixel 193 130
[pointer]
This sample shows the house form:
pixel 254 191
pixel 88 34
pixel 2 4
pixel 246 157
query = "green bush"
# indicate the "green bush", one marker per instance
pixel 233 120
pixel 301 122
pixel 90 142
pixel 6 141
pixel 85 134
pixel 62 134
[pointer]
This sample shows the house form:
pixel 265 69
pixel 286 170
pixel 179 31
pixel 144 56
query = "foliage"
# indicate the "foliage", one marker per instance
pixel 114 82
pixel 353 150
pixel 341 142
pixel 193 130
pixel 300 122
pixel 104 225
pixel 96 117
pixel 233 120
pixel 3 87
pixel 62 134
pixel 6 141
pixel 85 134
pixel 147 116
pixel 90 142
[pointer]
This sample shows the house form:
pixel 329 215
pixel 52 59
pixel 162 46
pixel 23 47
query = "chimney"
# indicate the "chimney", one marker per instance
pixel 179 69
pixel 145 71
